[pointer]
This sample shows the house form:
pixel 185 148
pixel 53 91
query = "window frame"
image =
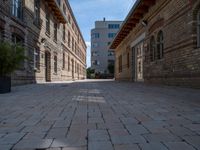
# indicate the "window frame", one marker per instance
pixel 152 49
pixel 48 22
pixel 55 32
pixel 17 10
pixel 36 59
pixel 37 12
pixel 198 28
pixel 160 45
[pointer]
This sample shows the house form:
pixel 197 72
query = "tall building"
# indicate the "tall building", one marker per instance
pixel 158 45
pixel 51 37
pixel 101 38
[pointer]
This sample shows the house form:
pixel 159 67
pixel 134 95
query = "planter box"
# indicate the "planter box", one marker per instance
pixel 5 85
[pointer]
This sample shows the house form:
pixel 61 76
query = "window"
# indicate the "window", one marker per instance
pixel 95 35
pixel 94 54
pixel 55 31
pixel 36 59
pixel 68 63
pixel 128 60
pixel 198 29
pixel 64 10
pixel 111 35
pixel 47 22
pixel 17 8
pixel 113 26
pixel 63 60
pixel 55 64
pixel 120 63
pixel 110 53
pixel 37 12
pixel 95 62
pixel 152 48
pixel 108 43
pixel 160 46
pixel 69 39
pixel 18 40
pixel 94 45
pixel 140 67
pixel 58 2
pixel 64 32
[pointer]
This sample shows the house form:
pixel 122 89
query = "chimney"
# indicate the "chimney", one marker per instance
pixel 104 19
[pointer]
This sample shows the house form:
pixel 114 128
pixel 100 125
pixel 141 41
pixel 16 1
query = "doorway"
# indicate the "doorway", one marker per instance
pixel 47 66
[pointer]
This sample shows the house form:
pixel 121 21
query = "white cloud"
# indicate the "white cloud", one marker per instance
pixel 88 44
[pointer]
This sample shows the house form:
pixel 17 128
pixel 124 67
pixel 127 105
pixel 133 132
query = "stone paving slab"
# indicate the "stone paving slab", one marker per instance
pixel 99 115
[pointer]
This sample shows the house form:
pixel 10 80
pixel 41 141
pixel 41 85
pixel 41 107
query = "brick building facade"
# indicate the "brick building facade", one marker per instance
pixel 50 34
pixel 160 39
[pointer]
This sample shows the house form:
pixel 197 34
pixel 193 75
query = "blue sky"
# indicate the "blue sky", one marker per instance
pixel 89 11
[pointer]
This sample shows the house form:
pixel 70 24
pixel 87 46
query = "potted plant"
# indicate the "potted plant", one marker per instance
pixel 11 57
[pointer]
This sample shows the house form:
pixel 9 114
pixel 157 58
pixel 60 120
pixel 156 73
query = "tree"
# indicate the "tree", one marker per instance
pixel 11 57
pixel 90 71
pixel 111 68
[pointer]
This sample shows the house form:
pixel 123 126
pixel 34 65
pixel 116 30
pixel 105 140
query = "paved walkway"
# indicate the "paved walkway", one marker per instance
pixel 93 115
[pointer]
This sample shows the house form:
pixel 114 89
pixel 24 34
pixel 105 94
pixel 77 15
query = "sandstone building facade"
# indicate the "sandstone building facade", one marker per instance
pixel 159 42
pixel 51 36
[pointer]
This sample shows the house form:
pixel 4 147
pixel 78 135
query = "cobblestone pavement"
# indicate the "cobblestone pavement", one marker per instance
pixel 93 115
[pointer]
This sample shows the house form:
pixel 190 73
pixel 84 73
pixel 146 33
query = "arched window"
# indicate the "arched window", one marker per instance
pixel 160 46
pixel 198 29
pixel 152 48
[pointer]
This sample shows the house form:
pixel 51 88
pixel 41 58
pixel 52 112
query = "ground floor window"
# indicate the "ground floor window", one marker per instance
pixel 120 63
pixel 36 59
pixel 152 48
pixel 63 60
pixel 160 45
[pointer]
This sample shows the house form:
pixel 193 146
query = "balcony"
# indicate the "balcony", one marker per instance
pixel 58 12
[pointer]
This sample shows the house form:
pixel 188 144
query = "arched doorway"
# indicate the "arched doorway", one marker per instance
pixel 47 66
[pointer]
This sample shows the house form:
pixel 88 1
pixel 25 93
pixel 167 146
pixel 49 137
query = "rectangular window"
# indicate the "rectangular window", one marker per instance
pixel 47 22
pixel 55 64
pixel 110 53
pixel 55 31
pixel 58 1
pixel 36 59
pixel 64 10
pixel 198 29
pixel 128 60
pixel 17 8
pixel 120 63
pixel 111 35
pixel 63 60
pixel 64 32
pixel 69 39
pixel 113 26
pixel 95 35
pixel 68 63
pixel 37 12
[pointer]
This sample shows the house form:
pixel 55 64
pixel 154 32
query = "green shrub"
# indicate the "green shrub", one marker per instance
pixel 11 56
